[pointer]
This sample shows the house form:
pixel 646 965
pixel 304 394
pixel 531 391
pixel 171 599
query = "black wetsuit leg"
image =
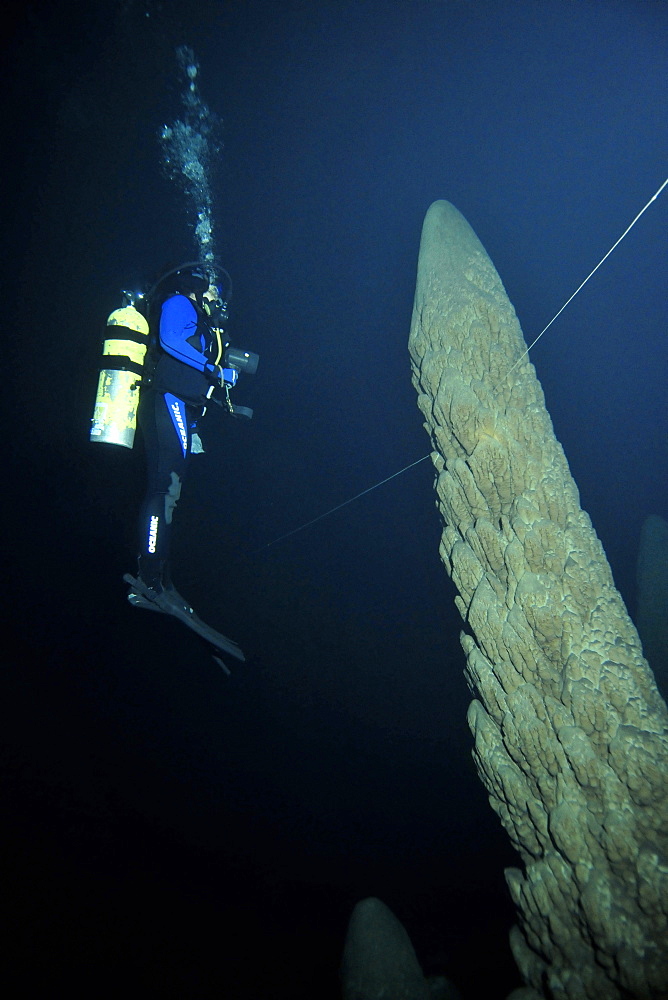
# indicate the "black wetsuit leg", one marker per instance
pixel 166 423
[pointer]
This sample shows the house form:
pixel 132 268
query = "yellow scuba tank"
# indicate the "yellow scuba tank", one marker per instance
pixel 115 414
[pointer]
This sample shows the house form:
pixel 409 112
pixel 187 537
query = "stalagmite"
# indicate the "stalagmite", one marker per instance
pixel 378 959
pixel 571 735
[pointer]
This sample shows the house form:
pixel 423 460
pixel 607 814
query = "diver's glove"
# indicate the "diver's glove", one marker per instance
pixel 221 376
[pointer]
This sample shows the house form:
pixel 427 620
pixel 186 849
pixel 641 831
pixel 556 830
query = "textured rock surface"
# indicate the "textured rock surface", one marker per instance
pixel 652 613
pixel 570 732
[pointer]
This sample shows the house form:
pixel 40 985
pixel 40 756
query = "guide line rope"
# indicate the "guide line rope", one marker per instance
pixel 382 482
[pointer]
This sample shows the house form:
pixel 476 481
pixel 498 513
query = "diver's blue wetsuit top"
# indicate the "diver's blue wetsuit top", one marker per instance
pixel 179 332
pixel 186 343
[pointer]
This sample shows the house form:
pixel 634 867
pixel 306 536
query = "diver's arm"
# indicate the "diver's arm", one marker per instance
pixel 178 322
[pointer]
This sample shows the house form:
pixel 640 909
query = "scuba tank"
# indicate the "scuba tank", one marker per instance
pixel 125 366
pixel 115 415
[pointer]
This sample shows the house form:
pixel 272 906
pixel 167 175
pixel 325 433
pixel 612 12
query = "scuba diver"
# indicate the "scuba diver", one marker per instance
pixel 188 364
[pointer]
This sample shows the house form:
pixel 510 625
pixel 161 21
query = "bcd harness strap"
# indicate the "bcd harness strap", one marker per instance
pixel 119 363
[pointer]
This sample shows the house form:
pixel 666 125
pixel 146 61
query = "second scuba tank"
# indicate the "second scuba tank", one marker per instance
pixel 115 414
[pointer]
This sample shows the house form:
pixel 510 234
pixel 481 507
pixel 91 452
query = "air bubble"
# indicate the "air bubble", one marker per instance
pixel 188 151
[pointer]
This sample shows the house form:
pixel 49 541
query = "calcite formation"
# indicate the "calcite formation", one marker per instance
pixel 379 962
pixel 571 734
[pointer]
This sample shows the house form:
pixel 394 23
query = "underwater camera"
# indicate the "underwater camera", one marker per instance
pixel 243 361
pixel 237 361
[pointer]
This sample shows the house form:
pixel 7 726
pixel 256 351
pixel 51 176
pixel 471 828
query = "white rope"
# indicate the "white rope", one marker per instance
pixel 424 457
pixel 580 287
pixel 344 504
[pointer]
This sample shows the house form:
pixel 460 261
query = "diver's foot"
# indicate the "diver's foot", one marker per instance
pixel 155 597
pixel 169 602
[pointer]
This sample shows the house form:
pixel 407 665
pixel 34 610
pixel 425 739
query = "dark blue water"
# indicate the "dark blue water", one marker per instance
pixel 195 833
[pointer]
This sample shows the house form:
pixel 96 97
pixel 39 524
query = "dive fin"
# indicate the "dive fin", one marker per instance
pixel 222 665
pixel 170 602
pixel 137 601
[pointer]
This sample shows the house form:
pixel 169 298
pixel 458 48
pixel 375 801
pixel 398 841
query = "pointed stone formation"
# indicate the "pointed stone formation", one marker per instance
pixel 379 962
pixel 571 735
